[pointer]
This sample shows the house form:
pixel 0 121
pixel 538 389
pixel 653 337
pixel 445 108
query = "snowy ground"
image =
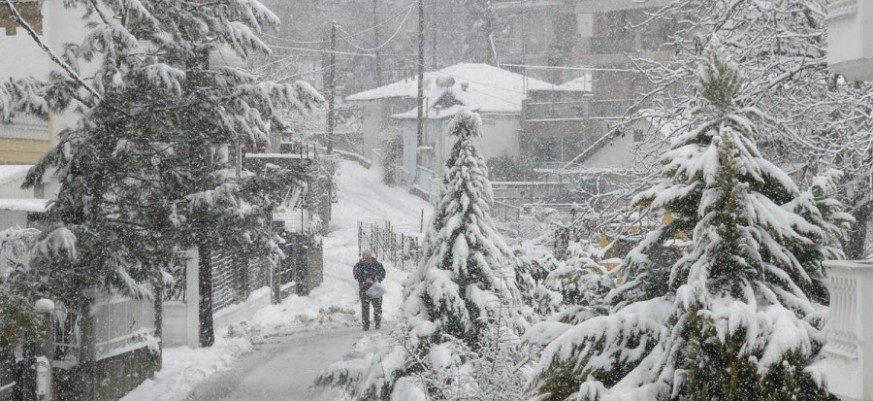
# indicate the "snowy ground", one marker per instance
pixel 277 354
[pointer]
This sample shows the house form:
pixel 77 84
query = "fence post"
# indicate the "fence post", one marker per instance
pixel 192 298
pixel 37 380
pixel 88 348
pixel 360 236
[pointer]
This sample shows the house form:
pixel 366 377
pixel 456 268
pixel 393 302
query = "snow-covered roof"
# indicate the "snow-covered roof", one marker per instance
pixel 581 84
pixel 9 172
pixel 480 87
pixel 24 205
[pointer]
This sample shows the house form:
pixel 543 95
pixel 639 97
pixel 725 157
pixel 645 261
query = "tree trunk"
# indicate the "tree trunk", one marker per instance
pixel 856 246
pixel 207 332
pixel 159 316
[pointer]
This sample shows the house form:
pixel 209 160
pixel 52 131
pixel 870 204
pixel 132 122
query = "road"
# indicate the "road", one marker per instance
pixel 281 369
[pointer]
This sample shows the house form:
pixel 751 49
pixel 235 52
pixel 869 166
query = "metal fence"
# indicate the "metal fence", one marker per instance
pixel 234 278
pixel 122 325
pixel 67 336
pixel 119 325
pixel 518 193
pixel 402 248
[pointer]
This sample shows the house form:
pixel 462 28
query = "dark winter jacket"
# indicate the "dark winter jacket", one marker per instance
pixel 368 271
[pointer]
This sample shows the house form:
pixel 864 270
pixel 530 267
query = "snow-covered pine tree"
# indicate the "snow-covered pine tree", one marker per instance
pixel 816 119
pixel 146 170
pixel 463 288
pixel 739 317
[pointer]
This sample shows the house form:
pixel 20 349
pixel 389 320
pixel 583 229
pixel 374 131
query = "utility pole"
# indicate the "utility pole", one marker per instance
pixel 524 44
pixel 331 95
pixel 433 33
pixel 377 44
pixel 420 74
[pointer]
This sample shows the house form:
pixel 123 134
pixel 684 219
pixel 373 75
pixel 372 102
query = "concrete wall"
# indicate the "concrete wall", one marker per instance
pixel 105 380
pixel 377 124
pixel 499 136
pixel 617 153
pixel 12 218
pixel 181 320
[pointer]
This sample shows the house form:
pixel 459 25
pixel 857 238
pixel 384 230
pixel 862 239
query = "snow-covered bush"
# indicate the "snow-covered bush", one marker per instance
pixel 461 293
pixel 580 279
pixel 741 315
pixel 16 245
pixel 532 268
pixel 18 319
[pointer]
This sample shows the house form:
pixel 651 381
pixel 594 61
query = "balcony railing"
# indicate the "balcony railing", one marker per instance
pixel 26 126
pixel 847 364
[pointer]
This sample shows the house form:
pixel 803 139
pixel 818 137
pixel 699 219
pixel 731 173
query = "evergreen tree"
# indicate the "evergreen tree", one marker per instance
pixel 463 291
pixel 146 171
pixel 532 269
pixel 736 318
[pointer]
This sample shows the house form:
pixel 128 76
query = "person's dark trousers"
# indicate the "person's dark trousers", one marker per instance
pixel 365 311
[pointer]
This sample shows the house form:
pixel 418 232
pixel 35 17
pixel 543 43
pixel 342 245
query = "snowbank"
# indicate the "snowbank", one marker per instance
pixel 184 368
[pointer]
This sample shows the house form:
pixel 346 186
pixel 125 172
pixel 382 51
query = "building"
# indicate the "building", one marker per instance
pixel 593 41
pixel 848 356
pixel 390 116
pixel 587 47
pixel 26 139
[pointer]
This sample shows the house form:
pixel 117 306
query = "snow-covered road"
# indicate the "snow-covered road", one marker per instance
pixel 281 369
pixel 277 353
pixel 285 366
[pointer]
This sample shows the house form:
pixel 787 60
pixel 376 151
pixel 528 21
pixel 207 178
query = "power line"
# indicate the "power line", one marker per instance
pixel 303 49
pixel 391 38
pixel 387 20
pixel 547 67
pixel 299 74
pixel 298 42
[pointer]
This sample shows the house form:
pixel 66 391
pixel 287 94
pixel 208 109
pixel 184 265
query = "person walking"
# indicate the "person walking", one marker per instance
pixel 367 272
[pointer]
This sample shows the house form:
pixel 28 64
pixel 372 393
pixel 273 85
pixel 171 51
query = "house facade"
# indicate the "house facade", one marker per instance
pixel 588 47
pixel 28 137
pixel 390 117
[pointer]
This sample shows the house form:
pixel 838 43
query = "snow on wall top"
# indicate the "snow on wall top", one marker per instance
pixel 24 205
pixel 9 172
pixel 480 87
pixel 581 84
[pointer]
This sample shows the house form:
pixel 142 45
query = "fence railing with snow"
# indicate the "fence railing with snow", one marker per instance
pixel 400 246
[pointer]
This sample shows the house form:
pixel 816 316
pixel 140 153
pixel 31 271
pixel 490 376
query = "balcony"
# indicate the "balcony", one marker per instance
pixel 26 126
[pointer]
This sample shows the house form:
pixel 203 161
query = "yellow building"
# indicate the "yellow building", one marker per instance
pixel 26 138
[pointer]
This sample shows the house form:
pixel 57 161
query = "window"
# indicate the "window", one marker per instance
pixel 612 32
pixel 31 12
